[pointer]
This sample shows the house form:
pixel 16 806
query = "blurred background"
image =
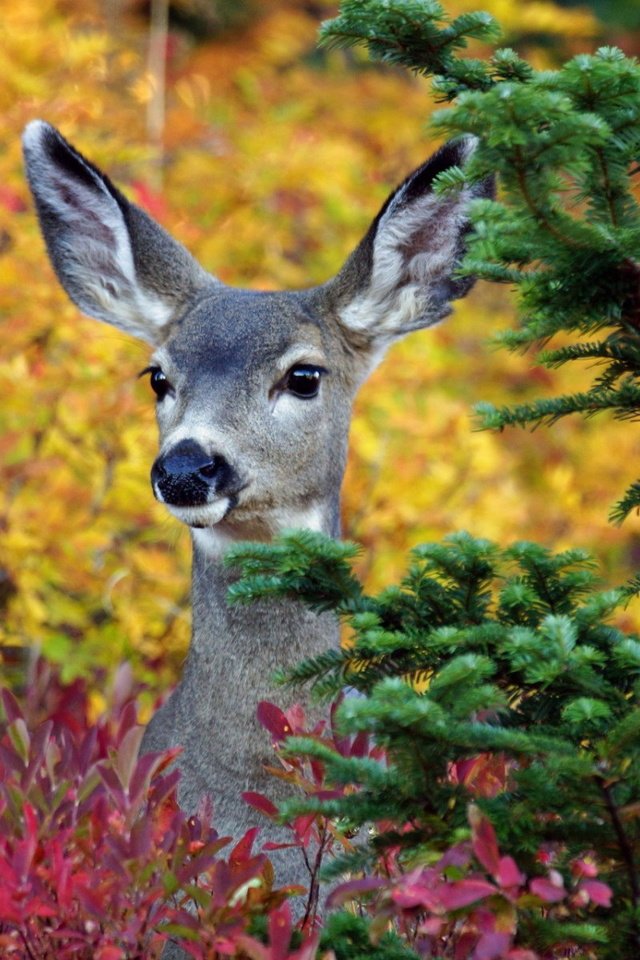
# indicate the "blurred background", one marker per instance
pixel 268 158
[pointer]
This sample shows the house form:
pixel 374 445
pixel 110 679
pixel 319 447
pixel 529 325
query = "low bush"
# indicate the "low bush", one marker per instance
pixel 96 859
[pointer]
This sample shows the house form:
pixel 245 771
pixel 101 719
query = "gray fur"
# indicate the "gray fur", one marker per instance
pixel 225 353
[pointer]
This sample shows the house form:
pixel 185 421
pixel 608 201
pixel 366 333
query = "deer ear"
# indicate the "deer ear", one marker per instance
pixel 402 275
pixel 113 260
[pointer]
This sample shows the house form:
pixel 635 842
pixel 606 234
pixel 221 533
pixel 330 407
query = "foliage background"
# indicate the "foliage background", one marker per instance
pixel 272 162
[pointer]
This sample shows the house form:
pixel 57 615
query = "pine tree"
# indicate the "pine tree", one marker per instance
pixel 503 658
pixel 565 230
pixel 479 651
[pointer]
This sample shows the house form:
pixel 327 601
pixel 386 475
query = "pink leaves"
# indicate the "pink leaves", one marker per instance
pixel 314 834
pixel 588 890
pixel 597 892
pixel 485 848
pixel 462 893
pixel 473 897
pixel 484 842
pixel 474 911
pixel 97 860
pixel 549 889
pixel 508 875
pixel 485 775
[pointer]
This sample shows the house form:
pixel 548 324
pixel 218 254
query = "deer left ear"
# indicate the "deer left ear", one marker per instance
pixel 113 260
pixel 402 276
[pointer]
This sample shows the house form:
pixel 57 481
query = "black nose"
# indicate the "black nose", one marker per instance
pixel 186 475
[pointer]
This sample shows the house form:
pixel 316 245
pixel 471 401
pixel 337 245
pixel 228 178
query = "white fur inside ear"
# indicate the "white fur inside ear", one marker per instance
pixel 89 241
pixel 415 250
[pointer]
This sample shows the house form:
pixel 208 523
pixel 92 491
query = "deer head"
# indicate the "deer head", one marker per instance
pixel 254 389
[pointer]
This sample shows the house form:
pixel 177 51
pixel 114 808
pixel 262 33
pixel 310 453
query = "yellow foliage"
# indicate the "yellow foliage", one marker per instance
pixel 538 19
pixel 274 164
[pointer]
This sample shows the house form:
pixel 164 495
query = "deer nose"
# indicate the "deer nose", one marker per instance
pixel 185 475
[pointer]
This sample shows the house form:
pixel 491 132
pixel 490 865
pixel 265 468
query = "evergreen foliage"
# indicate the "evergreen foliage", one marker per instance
pixel 479 651
pixel 566 229
pixel 495 675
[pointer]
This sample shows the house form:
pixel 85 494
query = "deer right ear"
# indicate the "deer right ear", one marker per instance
pixel 403 276
pixel 114 261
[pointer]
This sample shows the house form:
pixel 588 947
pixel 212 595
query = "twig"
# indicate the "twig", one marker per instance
pixel 156 65
pixel 626 851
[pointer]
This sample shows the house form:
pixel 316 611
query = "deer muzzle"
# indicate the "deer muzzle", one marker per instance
pixel 186 475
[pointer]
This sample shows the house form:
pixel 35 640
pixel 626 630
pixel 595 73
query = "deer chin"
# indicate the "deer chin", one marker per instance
pixel 214 540
pixel 207 515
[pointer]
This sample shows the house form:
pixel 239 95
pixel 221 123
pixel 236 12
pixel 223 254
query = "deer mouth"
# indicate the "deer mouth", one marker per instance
pixel 204 515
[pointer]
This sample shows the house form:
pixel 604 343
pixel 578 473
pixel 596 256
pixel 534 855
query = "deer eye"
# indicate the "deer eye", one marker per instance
pixel 303 380
pixel 159 383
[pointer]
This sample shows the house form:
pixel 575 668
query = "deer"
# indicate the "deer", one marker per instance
pixel 254 392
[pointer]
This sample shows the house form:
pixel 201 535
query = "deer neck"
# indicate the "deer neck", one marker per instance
pixel 238 647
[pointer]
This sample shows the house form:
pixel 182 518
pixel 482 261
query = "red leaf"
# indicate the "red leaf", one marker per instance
pixel 122 685
pixel 508 874
pixel 360 745
pixel 303 826
pixel 492 946
pixel 453 896
pixel 11 200
pixel 259 802
pixel 547 890
pixel 352 888
pixel 127 755
pixel 280 932
pixel 584 867
pixel 466 942
pixel 317 770
pixel 10 705
pixel 486 774
pixel 273 719
pixel 153 202
pixel 484 842
pixel 599 893
pixel 110 952
pixel 242 849
pixel 128 720
pixel 296 718
pixel 412 895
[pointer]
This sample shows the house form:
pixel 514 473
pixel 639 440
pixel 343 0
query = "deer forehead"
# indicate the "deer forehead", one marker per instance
pixel 229 332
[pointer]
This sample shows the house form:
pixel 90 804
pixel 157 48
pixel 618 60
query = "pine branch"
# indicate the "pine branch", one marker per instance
pixel 303 565
pixel 625 354
pixel 624 402
pixel 416 34
pixel 519 663
pixel 563 145
pixel 628 503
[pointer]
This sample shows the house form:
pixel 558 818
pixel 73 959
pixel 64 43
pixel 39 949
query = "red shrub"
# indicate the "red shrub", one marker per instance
pixel 96 859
